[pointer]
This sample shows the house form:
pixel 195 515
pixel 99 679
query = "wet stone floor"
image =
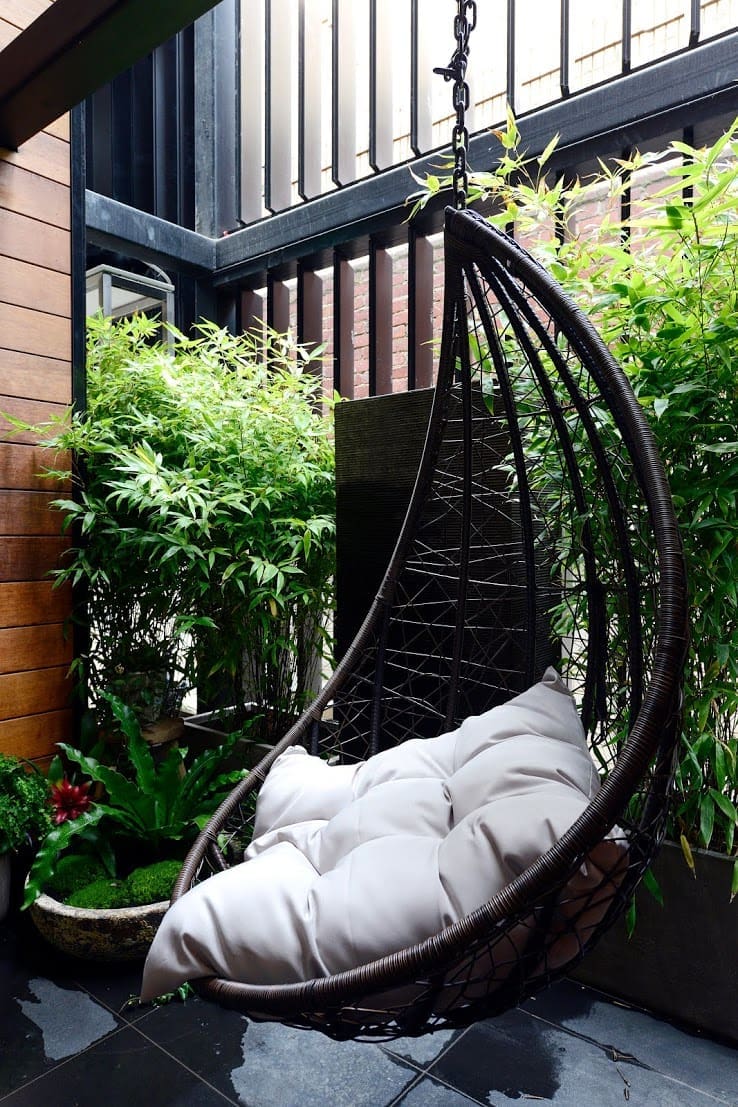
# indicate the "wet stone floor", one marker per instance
pixel 68 1039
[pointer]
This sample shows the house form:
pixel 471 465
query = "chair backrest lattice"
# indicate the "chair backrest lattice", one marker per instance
pixel 540 531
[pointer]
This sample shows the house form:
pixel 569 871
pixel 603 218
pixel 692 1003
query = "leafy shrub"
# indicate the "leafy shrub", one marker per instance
pixel 205 516
pixel 25 813
pixel 662 288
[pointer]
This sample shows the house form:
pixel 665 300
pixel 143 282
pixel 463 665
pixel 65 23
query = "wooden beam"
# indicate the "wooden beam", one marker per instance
pixel 72 49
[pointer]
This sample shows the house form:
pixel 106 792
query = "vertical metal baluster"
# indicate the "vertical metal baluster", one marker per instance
pixel 695 23
pixel 252 110
pixel 627 35
pixel 511 98
pixel 278 305
pixel 309 309
pixel 343 123
pixel 278 111
pixel 420 311
pixel 252 312
pixel 309 127
pixel 380 320
pixel 564 51
pixel 343 326
pixel 380 84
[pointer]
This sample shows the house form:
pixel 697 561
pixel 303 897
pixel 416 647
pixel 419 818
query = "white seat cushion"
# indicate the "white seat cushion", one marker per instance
pixel 350 863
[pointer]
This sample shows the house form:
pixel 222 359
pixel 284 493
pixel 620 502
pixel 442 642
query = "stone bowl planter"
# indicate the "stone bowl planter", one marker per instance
pixel 120 934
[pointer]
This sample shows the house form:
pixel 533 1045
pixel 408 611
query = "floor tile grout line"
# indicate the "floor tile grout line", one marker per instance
pixel 66 1061
pixel 117 1011
pixel 407 1089
pixel 182 1065
pixel 626 1058
pixel 437 1080
pixel 442 1052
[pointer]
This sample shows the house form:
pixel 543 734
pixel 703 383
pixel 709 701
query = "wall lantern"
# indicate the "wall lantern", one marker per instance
pixel 118 293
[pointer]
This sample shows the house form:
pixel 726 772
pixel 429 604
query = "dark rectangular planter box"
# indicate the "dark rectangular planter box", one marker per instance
pixel 682 960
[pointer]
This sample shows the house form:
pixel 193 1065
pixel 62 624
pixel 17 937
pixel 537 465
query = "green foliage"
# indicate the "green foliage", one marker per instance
pixel 101 895
pixel 147 884
pixel 152 883
pixel 663 292
pixel 205 515
pixel 73 872
pixel 148 803
pixel 25 814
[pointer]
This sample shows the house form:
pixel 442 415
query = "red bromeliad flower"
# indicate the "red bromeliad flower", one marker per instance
pixel 69 800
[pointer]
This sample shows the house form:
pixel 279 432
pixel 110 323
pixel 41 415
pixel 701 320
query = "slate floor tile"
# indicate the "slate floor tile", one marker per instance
pixel 269 1065
pixel 111 984
pixel 429 1093
pixel 124 1069
pixel 42 1021
pixel 519 1057
pixel 697 1062
pixel 425 1050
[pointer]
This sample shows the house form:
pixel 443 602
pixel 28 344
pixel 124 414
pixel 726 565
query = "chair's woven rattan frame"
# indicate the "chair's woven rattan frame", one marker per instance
pixel 623 595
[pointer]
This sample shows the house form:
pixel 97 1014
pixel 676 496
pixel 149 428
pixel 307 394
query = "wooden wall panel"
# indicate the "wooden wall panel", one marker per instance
pixel 26 467
pixel 28 513
pixel 20 13
pixel 27 240
pixel 34 332
pixel 35 196
pixel 35 735
pixel 35 385
pixel 45 154
pixel 33 603
pixel 24 374
pixel 21 693
pixel 33 558
pixel 31 286
pixel 24 649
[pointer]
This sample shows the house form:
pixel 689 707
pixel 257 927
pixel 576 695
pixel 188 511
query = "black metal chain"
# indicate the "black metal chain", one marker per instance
pixel 465 21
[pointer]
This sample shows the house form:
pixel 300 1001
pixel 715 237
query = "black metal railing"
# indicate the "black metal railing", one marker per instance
pixel 290 155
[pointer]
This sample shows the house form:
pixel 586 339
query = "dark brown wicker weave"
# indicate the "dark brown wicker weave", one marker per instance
pixel 541 530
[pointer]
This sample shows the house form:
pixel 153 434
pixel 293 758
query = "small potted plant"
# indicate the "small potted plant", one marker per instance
pixel 100 882
pixel 25 816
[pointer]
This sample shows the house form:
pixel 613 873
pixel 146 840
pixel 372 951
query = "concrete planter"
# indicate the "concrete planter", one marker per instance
pixel 682 961
pixel 208 729
pixel 123 934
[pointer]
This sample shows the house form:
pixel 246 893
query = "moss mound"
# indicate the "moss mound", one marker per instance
pixel 153 882
pixel 101 895
pixel 74 872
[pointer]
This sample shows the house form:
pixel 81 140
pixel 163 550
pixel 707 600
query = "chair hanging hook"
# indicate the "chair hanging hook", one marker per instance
pixel 465 21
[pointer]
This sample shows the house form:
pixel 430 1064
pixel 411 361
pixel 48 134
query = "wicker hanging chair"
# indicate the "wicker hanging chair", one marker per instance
pixel 540 531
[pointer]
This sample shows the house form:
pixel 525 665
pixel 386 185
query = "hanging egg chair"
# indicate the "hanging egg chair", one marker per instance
pixel 540 535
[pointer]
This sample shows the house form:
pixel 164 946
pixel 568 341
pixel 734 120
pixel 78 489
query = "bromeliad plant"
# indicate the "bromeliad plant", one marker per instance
pixel 145 809
pixel 662 289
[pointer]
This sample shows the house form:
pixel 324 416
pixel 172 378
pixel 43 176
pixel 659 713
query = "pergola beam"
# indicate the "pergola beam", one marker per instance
pixel 73 48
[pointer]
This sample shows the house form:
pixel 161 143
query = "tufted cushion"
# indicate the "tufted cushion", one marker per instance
pixel 350 863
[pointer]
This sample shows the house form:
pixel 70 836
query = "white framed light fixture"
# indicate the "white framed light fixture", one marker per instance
pixel 118 293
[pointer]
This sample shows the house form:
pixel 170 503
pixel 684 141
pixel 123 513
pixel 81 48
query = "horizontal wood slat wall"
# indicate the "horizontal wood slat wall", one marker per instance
pixel 35 385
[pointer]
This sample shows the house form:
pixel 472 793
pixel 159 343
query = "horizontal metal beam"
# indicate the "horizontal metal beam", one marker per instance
pixel 115 226
pixel 73 48
pixel 628 111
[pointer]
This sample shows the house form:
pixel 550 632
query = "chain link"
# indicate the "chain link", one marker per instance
pixel 464 23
